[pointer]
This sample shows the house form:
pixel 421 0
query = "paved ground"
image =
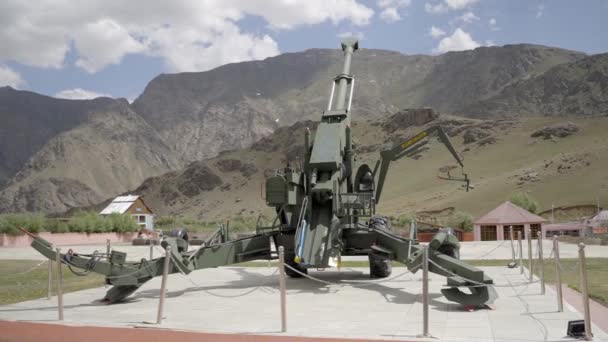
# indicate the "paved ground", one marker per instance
pixel 468 250
pixel 246 301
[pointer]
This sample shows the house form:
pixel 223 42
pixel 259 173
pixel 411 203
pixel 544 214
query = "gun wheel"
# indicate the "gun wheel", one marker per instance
pixel 182 239
pixel 379 266
pixel 291 273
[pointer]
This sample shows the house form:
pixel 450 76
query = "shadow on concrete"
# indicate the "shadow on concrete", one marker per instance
pixel 97 302
pixel 253 281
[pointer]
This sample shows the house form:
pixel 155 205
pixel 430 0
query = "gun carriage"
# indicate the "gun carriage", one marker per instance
pixel 325 210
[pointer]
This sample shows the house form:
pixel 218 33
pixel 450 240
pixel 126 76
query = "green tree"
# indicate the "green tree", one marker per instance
pixel 523 200
pixel 461 220
pixel 404 220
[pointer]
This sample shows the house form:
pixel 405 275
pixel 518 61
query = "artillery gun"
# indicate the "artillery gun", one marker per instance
pixel 325 211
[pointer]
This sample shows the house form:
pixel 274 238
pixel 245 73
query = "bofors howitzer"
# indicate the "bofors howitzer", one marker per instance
pixel 324 211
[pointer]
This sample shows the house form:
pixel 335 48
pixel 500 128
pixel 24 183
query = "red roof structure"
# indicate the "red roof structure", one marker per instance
pixel 508 213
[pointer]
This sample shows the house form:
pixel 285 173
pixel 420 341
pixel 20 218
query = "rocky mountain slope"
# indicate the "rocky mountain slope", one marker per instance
pixel 30 120
pixel 189 117
pixel 236 104
pixel 561 170
pixel 459 79
pixel 576 88
pixel 113 150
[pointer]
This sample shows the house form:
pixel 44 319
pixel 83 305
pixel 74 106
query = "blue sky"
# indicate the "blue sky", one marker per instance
pixel 105 47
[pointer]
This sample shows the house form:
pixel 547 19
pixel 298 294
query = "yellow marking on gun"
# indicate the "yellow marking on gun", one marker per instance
pixel 413 140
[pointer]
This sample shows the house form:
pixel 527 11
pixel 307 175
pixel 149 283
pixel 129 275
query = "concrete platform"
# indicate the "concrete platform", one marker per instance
pixel 246 301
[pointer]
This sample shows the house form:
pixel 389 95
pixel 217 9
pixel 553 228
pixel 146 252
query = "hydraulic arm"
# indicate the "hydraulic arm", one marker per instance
pixel 407 148
pixel 127 277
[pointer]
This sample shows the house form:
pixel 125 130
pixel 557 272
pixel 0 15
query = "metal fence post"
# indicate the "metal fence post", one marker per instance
pixel 163 286
pixel 584 290
pixel 425 292
pixel 530 265
pixel 151 250
pixel 59 285
pixel 108 248
pixel 541 269
pixel 282 287
pixel 49 286
pixel 512 244
pixel 521 253
pixel 558 276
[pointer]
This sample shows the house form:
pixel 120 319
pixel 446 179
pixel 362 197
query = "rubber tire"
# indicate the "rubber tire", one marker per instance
pixel 289 261
pixel 380 265
pixel 180 233
pixel 449 251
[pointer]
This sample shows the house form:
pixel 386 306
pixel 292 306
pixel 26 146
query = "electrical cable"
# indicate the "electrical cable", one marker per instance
pixel 87 266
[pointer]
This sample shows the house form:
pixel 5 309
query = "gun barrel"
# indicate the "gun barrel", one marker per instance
pixel 348 46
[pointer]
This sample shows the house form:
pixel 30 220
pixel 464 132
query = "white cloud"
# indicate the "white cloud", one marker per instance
pixel 435 8
pixel 102 43
pixel 493 24
pixel 288 14
pixel 79 94
pixel 349 34
pixel 9 77
pixel 446 5
pixel 467 18
pixel 460 4
pixel 458 41
pixel 490 43
pixel 390 15
pixel 436 32
pixel 540 9
pixel 394 3
pixel 187 35
pixel 390 9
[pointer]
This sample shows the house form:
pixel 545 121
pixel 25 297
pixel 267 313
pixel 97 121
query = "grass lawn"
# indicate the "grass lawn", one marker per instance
pixel 15 287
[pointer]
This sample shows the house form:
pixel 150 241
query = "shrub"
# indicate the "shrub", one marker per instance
pixel 404 220
pixel 461 220
pixel 56 226
pixel 89 222
pixel 10 223
pixel 165 221
pixel 121 223
pixel 82 222
pixel 523 200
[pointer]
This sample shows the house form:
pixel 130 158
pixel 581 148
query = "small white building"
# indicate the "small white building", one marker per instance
pixel 133 205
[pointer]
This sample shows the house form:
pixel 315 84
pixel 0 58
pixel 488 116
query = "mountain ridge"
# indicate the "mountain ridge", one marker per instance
pixel 191 117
